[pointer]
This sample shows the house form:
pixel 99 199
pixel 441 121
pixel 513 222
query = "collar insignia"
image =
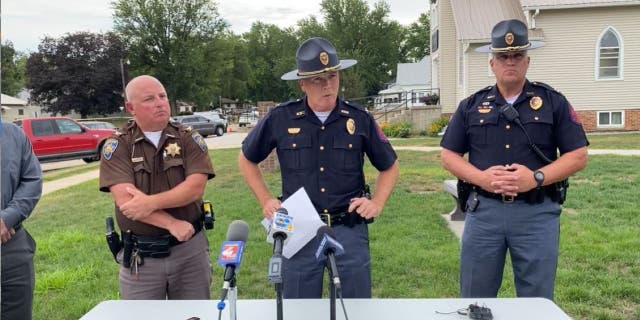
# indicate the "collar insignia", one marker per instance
pixel 172 149
pixel 344 111
pixel 535 103
pixel 300 113
pixel 351 126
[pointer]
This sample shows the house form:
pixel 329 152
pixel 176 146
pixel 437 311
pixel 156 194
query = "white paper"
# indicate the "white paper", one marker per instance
pixel 306 222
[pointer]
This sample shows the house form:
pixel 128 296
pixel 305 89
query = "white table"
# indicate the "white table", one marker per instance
pixel 318 309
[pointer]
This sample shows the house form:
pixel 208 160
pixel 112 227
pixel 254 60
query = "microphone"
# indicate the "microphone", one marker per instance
pixel 231 252
pixel 279 231
pixel 329 247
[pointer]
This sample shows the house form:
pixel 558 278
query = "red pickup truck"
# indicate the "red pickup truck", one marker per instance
pixel 61 138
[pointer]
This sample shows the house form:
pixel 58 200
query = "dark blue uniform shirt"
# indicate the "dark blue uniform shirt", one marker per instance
pixel 478 128
pixel 326 159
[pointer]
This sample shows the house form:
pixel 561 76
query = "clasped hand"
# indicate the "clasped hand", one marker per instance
pixel 508 180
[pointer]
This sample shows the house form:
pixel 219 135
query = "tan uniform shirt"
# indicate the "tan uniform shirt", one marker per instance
pixel 129 157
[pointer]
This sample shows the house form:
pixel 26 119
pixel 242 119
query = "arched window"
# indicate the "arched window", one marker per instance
pixel 609 55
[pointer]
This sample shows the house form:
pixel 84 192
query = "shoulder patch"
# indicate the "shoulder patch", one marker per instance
pixel 109 148
pixel 197 138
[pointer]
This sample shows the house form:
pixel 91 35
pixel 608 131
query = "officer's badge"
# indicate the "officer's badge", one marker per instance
pixel 324 58
pixel 351 126
pixel 293 130
pixel 508 38
pixel 172 149
pixel 109 148
pixel 535 103
pixel 200 141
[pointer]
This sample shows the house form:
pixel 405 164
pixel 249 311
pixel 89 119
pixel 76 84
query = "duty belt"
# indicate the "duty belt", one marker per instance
pixel 342 217
pixel 158 246
pixel 526 196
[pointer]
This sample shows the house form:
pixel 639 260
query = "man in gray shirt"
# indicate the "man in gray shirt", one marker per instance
pixel 21 190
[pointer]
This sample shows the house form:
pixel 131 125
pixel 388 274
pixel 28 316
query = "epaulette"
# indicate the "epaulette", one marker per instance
pixel 481 91
pixel 353 105
pixel 288 103
pixel 546 86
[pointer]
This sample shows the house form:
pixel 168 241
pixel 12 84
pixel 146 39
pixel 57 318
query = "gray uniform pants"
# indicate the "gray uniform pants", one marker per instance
pixel 18 276
pixel 303 273
pixel 183 275
pixel 529 232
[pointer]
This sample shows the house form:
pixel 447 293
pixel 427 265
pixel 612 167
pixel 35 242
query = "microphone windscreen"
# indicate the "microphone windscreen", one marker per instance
pixel 238 231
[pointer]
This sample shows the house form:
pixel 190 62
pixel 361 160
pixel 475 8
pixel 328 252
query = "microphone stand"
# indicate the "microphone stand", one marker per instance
pixel 275 275
pixel 332 294
pixel 233 297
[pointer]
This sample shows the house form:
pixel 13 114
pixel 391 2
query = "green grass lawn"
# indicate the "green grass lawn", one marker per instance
pixel 598 272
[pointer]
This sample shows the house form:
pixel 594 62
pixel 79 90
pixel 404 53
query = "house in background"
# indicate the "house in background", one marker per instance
pixel 413 82
pixel 590 53
pixel 14 108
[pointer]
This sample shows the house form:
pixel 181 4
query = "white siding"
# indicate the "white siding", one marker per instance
pixel 446 56
pixel 567 61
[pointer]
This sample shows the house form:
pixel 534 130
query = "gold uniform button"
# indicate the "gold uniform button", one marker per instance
pixel 321 148
pixel 322 128
pixel 536 118
pixel 508 127
pixel 321 189
pixel 321 169
pixel 481 120
pixel 294 145
pixel 507 146
pixel 350 146
pixel 326 210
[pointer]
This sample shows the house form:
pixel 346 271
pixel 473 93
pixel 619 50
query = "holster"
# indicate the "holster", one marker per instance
pixel 561 191
pixel 464 191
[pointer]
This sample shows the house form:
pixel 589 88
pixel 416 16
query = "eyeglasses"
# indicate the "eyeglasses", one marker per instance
pixel 515 56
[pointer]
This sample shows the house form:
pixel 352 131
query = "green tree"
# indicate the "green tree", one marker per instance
pixel 234 72
pixel 77 72
pixel 271 53
pixel 176 41
pixel 12 63
pixel 418 39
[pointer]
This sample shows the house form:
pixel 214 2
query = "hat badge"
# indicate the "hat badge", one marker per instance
pixel 508 38
pixel 324 58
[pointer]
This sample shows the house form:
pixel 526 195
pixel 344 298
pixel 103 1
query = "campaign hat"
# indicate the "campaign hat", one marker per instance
pixel 508 36
pixel 316 56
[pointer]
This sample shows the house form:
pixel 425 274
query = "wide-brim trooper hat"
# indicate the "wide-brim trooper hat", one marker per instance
pixel 316 56
pixel 510 35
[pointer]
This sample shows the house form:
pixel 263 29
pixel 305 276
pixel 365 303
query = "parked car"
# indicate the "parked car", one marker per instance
pixel 248 119
pixel 98 124
pixel 215 117
pixel 203 125
pixel 61 138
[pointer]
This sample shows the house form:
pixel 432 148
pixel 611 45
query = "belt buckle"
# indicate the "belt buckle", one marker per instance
pixel 327 218
pixel 508 199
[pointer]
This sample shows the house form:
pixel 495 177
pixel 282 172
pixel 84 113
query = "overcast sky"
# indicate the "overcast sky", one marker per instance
pixel 26 22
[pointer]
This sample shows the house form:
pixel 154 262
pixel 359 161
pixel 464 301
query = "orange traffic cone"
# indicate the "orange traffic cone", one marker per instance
pixel 229 129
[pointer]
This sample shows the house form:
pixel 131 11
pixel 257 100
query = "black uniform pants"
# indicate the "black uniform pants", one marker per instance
pixel 18 276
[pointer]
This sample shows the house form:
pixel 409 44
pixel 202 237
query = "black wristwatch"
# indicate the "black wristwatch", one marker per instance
pixel 539 177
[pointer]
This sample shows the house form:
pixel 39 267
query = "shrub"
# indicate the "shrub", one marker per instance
pixel 397 129
pixel 436 126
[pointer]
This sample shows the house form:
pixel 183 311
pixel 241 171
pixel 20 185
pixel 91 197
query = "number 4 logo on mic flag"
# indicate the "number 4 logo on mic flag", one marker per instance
pixel 231 253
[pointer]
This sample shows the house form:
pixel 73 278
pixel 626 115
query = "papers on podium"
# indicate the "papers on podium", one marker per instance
pixel 306 222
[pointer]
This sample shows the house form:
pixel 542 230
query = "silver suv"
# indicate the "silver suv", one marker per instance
pixel 205 125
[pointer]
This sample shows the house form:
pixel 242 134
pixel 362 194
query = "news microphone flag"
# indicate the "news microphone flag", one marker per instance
pixel 282 224
pixel 328 244
pixel 231 253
